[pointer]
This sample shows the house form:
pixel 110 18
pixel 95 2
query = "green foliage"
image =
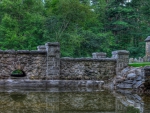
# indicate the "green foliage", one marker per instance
pixel 81 26
pixel 131 109
pixel 20 24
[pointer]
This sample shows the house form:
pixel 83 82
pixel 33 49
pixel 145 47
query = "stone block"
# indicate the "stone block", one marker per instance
pixel 98 55
pixel 124 86
pixel 131 75
pixel 41 48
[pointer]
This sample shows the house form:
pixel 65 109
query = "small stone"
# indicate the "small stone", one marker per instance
pixel 138 72
pixel 128 81
pixel 89 83
pixel 119 80
pixel 139 78
pixel 119 77
pixel 131 75
pixel 138 84
pixel 124 86
pixel 137 97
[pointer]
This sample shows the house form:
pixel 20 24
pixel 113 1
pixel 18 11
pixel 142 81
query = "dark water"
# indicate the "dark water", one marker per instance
pixel 71 101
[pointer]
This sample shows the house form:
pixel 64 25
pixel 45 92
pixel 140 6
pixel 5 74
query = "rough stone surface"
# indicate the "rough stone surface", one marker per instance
pixel 53 60
pixel 87 69
pixel 122 57
pixel 98 55
pixel 133 78
pixel 50 83
pixel 131 75
pixel 147 56
pixel 33 65
pixel 46 64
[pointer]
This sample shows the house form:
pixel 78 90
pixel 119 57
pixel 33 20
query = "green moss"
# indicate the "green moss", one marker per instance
pixel 139 64
pixel 17 72
pixel 131 109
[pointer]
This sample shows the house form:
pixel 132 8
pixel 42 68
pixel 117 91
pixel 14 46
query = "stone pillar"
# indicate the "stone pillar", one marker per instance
pixel 147 49
pixel 98 55
pixel 41 48
pixel 53 60
pixel 122 57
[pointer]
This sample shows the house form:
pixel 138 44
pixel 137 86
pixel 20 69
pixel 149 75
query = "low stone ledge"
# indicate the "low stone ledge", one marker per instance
pixel 50 83
pixel 89 59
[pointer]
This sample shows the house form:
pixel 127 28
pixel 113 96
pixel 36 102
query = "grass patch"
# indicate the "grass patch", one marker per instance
pixel 139 64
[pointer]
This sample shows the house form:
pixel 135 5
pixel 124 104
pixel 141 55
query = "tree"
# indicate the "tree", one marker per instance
pixel 21 23
pixel 65 17
pixel 125 21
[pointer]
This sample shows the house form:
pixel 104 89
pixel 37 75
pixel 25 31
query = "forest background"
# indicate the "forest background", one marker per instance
pixel 80 26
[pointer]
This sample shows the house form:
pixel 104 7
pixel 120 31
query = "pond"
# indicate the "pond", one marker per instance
pixel 75 100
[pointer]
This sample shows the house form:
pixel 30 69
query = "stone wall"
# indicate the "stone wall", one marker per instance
pixel 33 63
pixel 45 63
pixel 87 69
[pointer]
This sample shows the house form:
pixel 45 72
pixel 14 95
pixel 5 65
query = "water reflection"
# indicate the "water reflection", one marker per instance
pixel 71 101
pixel 18 96
pixel 125 98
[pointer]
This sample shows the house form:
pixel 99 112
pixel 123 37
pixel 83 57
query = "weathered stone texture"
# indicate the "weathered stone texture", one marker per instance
pixel 87 69
pixel 122 57
pixel 53 60
pixel 98 55
pixel 147 49
pixel 31 62
pixel 45 63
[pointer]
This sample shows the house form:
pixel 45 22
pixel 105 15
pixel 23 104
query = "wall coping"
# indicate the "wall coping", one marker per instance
pixel 89 59
pixel 52 44
pixel 121 52
pixel 22 52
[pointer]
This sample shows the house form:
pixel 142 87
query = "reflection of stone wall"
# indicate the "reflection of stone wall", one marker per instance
pixel 125 99
pixel 100 101
pixel 86 68
pixel 58 102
